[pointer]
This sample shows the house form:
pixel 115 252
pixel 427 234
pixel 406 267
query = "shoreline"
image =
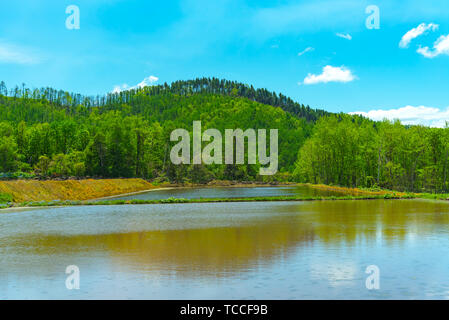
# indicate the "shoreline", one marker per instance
pixel 209 200
pixel 347 194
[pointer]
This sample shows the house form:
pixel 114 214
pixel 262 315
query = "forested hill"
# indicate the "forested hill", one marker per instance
pixel 70 101
pixel 230 88
pixel 55 133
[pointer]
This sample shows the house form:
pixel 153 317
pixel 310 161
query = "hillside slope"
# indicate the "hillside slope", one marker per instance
pixel 54 133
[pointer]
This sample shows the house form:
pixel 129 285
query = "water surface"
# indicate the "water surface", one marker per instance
pixel 273 250
pixel 230 192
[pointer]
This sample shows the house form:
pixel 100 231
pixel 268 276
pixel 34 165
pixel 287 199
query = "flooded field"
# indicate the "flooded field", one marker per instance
pixel 259 250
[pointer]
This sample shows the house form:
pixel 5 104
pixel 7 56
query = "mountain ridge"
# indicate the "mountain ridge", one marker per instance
pixel 182 87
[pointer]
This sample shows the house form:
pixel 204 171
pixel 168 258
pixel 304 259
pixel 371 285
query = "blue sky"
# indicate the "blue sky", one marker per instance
pixel 256 42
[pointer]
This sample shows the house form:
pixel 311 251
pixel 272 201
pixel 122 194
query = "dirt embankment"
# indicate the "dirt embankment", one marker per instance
pixel 34 190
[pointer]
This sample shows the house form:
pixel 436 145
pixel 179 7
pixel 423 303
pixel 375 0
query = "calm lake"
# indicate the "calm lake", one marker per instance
pixel 259 250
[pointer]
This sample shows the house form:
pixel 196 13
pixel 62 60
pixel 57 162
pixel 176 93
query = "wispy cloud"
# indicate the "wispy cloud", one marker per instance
pixel 148 81
pixel 308 49
pixel 346 36
pixel 423 115
pixel 14 54
pixel 330 74
pixel 441 46
pixel 415 33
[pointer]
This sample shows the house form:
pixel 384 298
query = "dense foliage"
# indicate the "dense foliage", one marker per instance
pixel 76 103
pixel 54 133
pixel 353 151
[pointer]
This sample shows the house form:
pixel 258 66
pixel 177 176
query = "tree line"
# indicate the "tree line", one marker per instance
pixel 53 138
pixel 353 151
pixel 53 133
pixel 182 87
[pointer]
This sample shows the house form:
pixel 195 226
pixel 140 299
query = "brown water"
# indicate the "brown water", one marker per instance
pixel 275 250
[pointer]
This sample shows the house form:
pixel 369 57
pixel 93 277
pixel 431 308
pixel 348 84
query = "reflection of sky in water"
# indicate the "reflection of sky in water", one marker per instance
pixel 273 250
pixel 335 272
pixel 230 192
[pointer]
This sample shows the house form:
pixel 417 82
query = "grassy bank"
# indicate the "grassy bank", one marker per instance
pixel 85 190
pixel 207 200
pixel 380 192
pixel 354 191
pixel 34 190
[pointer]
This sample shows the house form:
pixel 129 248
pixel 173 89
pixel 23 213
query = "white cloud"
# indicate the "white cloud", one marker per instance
pixel 441 46
pixel 13 54
pixel 330 74
pixel 120 88
pixel 308 49
pixel 148 81
pixel 346 36
pixel 415 33
pixel 423 115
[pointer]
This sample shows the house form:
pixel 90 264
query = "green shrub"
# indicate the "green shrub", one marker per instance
pixel 16 175
pixel 5 198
